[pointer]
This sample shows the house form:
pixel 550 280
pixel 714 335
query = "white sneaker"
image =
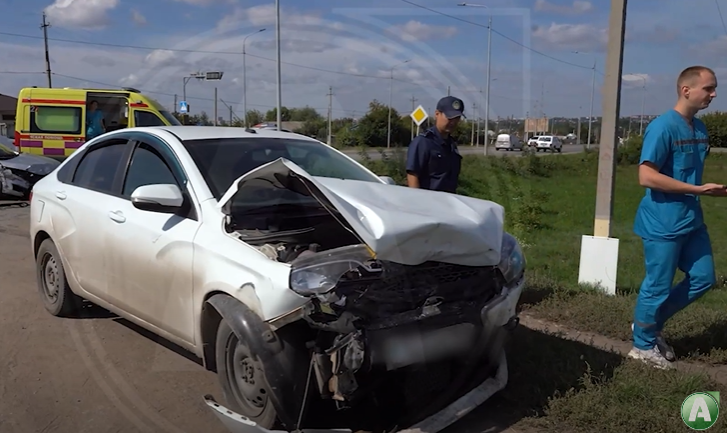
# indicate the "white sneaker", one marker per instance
pixel 652 357
pixel 664 348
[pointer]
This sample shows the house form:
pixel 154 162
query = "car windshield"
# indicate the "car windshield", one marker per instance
pixel 222 160
pixel 167 115
pixel 6 152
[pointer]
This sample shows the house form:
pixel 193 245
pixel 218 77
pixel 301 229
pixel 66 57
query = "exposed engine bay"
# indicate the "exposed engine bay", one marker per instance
pixel 400 337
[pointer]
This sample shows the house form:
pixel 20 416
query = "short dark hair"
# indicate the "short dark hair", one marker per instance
pixel 690 73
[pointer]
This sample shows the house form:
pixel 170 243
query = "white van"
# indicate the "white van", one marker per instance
pixel 508 142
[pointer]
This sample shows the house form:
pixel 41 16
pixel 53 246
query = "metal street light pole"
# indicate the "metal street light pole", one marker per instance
pixel 643 100
pixel 391 97
pixel 279 72
pixel 593 93
pixel 244 77
pixel 489 69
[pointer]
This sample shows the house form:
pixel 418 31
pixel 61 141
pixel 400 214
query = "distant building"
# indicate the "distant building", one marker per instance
pixel 7 113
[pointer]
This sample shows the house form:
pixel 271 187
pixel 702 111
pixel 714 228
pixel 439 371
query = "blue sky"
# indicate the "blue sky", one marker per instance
pixel 352 48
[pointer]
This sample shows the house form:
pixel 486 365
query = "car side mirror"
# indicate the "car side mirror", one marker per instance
pixel 388 180
pixel 162 198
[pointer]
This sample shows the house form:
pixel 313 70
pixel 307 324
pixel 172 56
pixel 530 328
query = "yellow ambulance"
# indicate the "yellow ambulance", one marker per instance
pixel 52 122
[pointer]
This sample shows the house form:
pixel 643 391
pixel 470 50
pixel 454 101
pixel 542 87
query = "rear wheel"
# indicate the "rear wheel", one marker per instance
pixel 242 379
pixel 57 296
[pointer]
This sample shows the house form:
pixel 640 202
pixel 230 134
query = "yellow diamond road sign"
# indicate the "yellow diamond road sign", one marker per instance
pixel 419 115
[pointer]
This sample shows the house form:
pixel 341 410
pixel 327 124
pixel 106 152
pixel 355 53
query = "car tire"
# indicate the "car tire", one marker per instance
pixel 241 378
pixel 58 298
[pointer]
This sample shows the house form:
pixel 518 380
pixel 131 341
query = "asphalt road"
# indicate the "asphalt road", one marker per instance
pixel 100 374
pixel 473 150
pixel 97 374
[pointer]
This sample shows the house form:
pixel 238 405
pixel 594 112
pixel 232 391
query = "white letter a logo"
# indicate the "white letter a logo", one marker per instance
pixel 699 409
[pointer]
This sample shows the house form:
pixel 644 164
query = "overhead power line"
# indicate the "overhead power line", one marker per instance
pixel 499 34
pixel 181 50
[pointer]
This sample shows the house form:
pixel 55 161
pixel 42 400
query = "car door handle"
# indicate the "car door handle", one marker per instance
pixel 117 216
pixel 61 195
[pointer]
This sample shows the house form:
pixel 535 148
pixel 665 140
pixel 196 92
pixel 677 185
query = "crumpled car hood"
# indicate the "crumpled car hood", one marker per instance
pixel 405 225
pixel 35 164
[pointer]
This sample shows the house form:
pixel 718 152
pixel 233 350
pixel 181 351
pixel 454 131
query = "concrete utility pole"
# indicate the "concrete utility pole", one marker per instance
pixel 487 96
pixel 599 253
pixel 279 72
pixel 45 26
pixel 391 98
pixel 244 76
pixel 330 114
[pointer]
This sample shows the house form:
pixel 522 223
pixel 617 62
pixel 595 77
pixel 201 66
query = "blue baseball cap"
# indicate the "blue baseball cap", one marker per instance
pixel 451 107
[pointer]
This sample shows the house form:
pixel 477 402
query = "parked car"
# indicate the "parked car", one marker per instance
pixel 508 142
pixel 307 282
pixel 549 142
pixel 20 171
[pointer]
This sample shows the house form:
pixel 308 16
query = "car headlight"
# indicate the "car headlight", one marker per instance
pixel 512 260
pixel 319 273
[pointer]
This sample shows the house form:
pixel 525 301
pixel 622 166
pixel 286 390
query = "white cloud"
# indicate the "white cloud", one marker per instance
pixel 577 7
pixel 138 18
pixel 204 2
pixel 361 50
pixel 414 31
pixel 636 80
pixel 88 14
pixel 581 37
pixel 264 15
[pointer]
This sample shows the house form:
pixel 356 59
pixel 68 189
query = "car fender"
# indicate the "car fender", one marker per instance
pixel 280 360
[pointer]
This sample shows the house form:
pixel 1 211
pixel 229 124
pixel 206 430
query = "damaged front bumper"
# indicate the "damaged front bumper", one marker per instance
pixel 500 313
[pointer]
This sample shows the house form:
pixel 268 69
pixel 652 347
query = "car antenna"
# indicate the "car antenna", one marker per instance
pixel 250 130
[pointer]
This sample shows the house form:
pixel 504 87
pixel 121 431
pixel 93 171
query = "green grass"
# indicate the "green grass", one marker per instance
pixel 564 386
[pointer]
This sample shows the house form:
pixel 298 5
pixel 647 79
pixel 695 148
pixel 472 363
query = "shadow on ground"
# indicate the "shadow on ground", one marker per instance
pixel 540 366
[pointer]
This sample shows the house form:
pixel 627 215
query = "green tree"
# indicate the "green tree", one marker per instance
pixel 373 127
pixel 272 115
pixel 716 123
pixel 304 114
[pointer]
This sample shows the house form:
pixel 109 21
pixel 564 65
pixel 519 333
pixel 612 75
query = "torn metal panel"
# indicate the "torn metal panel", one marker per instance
pixel 397 223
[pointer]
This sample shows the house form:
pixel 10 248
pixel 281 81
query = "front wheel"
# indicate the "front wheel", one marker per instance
pixel 58 298
pixel 242 379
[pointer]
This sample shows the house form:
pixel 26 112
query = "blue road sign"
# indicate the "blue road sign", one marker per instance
pixel 183 107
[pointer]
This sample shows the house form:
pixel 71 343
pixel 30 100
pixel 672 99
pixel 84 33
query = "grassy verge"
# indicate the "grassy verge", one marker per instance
pixel 563 386
pixel 550 204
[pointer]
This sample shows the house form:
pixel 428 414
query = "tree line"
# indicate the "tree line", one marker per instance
pixel 370 130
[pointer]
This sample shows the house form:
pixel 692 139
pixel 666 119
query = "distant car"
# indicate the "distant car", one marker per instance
pixel 302 278
pixel 508 142
pixel 549 142
pixel 19 172
pixel 533 141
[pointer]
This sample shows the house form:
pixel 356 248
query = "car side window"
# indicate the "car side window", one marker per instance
pixel 99 167
pixel 146 118
pixel 147 168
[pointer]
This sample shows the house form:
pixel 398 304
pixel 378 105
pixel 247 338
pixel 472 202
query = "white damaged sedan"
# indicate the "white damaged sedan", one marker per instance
pixel 322 295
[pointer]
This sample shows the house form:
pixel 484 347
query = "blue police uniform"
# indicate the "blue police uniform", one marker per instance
pixel 672 226
pixel 435 160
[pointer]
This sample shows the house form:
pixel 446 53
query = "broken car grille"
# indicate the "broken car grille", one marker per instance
pixel 402 289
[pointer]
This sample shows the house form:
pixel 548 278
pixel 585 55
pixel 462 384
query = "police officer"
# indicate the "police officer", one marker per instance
pixel 433 161
pixel 669 219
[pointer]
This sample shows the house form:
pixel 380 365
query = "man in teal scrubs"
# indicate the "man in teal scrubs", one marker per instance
pixel 669 219
pixel 95 124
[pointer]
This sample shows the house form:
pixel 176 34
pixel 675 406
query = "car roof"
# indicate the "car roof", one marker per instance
pixel 187 132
